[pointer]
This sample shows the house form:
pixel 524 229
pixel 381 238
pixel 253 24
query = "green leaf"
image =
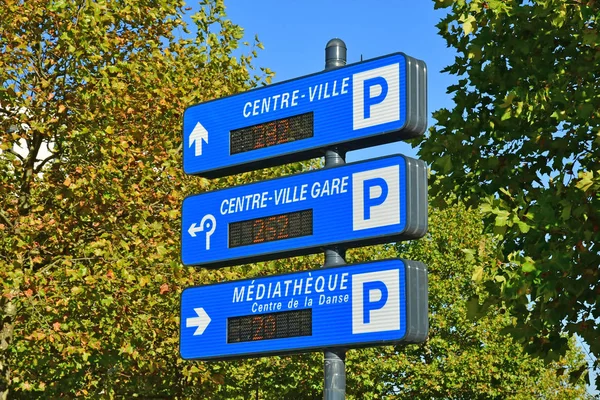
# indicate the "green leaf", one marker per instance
pixel 469 254
pixel 528 266
pixel 442 4
pixel 508 100
pixel 566 212
pixel 523 226
pixel 444 163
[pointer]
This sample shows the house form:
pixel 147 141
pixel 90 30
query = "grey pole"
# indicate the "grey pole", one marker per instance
pixel 335 359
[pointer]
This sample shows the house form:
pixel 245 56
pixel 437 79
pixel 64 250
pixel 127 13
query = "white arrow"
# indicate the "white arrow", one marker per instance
pixel 201 321
pixel 197 136
pixel 193 229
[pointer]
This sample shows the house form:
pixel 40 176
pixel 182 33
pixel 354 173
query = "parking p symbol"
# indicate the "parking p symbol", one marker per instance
pixel 370 87
pixel 369 199
pixel 375 295
pixel 376 198
pixel 376 96
pixel 376 301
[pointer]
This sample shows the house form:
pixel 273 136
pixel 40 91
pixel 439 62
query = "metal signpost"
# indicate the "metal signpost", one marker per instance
pixel 359 105
pixel 375 201
pixel 343 205
pixel 375 303
pixel 334 359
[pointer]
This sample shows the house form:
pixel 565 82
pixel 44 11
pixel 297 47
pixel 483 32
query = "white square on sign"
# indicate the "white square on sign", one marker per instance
pixel 376 96
pixel 376 198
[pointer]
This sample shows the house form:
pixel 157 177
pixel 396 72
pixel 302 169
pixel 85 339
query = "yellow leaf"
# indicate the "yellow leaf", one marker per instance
pixel 585 180
pixel 144 281
pixel 469 25
pixel 61 108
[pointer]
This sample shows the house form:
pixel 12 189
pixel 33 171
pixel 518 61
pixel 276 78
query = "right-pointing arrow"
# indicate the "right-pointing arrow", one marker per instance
pixel 201 321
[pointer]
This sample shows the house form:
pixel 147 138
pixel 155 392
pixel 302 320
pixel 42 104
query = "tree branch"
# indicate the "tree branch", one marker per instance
pixel 20 157
pixel 41 165
pixel 5 219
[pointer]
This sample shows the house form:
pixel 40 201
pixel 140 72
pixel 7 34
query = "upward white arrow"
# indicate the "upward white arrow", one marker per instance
pixel 201 321
pixel 197 136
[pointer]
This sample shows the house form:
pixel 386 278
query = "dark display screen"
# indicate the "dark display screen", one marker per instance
pixel 271 133
pixel 285 324
pixel 269 229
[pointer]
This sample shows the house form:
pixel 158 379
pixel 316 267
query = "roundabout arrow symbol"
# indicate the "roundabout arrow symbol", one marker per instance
pixel 193 229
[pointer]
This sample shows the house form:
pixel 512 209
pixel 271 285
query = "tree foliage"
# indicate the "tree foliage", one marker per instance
pixel 93 94
pixel 89 262
pixel 461 359
pixel 523 142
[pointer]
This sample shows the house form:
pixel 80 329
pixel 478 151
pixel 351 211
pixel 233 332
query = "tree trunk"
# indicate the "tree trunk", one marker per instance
pixel 6 332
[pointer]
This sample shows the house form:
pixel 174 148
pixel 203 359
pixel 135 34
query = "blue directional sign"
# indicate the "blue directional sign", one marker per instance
pixel 372 304
pixel 369 202
pixel 364 104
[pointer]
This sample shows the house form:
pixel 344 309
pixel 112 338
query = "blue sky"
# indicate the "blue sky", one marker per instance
pixel 295 33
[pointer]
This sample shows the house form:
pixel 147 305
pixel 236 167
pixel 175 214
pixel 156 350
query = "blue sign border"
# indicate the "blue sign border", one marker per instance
pixel 217 298
pixel 333 120
pixel 332 216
